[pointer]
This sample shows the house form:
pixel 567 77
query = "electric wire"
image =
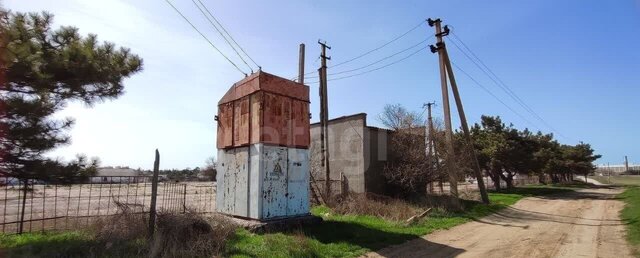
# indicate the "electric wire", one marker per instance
pixel 228 34
pixel 378 61
pixel 205 38
pixel 370 51
pixel 376 69
pixel 378 48
pixel 500 83
pixel 493 95
pixel 220 32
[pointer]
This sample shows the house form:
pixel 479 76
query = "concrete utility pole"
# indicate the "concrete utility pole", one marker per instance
pixel 427 138
pixel 324 119
pixel 626 164
pixel 301 64
pixel 428 128
pixel 445 67
pixel 609 174
pixel 453 178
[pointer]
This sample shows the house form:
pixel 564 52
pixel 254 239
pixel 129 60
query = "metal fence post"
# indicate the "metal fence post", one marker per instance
pixel 24 202
pixel 154 192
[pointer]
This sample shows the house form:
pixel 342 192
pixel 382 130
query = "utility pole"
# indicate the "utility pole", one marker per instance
pixel 448 134
pixel 324 119
pixel 451 170
pixel 429 143
pixel 626 164
pixel 609 173
pixel 429 128
pixel 301 64
pixel 446 69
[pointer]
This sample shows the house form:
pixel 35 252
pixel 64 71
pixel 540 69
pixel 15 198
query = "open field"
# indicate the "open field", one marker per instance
pixel 618 180
pixel 71 206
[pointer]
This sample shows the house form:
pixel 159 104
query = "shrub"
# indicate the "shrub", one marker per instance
pixel 190 235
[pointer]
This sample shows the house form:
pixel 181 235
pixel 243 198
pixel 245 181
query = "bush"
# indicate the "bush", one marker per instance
pixel 122 234
pixel 190 235
pixel 177 235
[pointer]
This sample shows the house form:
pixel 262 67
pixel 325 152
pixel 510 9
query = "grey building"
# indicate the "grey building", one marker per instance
pixel 356 150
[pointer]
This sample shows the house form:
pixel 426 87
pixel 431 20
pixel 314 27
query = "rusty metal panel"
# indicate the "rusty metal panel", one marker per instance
pixel 225 126
pixel 274 191
pixel 256 117
pixel 241 122
pixel 284 87
pixel 298 182
pixel 276 119
pixel 299 124
pixel 244 87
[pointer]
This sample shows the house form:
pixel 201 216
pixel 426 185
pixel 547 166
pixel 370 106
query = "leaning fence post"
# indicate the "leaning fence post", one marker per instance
pixel 154 192
pixel 24 202
pixel 184 199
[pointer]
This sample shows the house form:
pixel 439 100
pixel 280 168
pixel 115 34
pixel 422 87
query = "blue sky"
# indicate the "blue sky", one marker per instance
pixel 575 63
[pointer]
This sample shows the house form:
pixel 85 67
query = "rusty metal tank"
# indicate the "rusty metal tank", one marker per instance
pixel 263 142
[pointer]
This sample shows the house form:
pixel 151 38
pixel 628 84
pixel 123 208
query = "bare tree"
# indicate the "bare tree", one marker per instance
pixel 210 168
pixel 397 117
pixel 407 166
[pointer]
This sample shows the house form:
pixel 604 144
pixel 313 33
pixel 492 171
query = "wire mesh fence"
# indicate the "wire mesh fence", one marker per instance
pixel 32 205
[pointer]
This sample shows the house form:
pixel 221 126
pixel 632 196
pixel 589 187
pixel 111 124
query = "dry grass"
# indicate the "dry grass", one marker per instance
pixel 122 233
pixel 190 235
pixel 375 205
pixel 177 234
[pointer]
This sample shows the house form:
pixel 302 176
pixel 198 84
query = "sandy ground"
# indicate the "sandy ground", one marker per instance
pixel 580 224
pixel 50 207
pixel 589 180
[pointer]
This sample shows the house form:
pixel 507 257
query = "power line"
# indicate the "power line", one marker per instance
pixel 228 34
pixel 205 38
pixel 220 32
pixel 493 95
pixel 378 68
pixel 378 48
pixel 372 50
pixel 380 60
pixel 500 83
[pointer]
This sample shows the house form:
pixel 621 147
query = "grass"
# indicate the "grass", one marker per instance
pixel 618 180
pixel 338 236
pixel 54 244
pixel 355 235
pixel 631 215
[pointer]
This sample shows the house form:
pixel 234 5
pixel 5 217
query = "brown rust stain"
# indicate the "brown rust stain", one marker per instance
pixel 264 108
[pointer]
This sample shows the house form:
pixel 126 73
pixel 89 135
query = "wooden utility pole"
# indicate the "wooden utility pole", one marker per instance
pixel 301 64
pixel 446 70
pixel 450 163
pixel 324 120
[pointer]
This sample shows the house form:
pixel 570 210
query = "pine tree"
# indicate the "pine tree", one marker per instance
pixel 41 70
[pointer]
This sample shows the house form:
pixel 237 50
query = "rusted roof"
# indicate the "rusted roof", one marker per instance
pixel 263 81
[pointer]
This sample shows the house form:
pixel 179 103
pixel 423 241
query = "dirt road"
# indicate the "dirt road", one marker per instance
pixel 580 224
